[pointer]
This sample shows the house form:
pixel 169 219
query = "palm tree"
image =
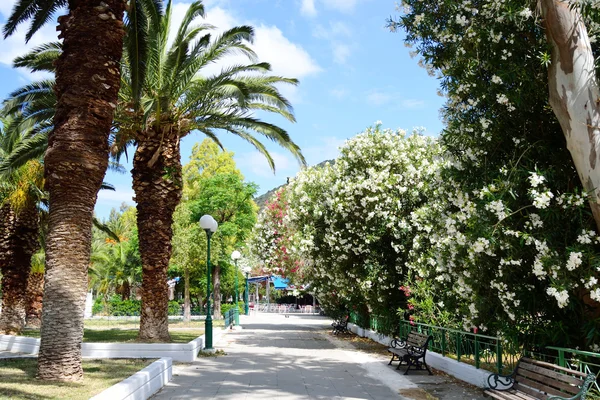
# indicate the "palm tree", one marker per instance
pixel 174 100
pixel 19 225
pixel 87 85
pixel 35 290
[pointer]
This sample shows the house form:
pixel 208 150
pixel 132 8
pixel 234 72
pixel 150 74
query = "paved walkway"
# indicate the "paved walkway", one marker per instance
pixel 275 357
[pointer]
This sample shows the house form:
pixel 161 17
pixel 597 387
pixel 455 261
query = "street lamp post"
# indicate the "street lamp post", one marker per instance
pixel 209 225
pixel 235 256
pixel 247 308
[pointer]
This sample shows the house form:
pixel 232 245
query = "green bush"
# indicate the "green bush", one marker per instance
pixel 228 306
pixel 117 307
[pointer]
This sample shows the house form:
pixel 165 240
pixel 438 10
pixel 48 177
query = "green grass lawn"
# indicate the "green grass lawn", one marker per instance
pixel 121 335
pixel 108 323
pixel 17 379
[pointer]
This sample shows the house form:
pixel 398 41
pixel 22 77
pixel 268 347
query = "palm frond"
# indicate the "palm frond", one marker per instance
pixel 38 11
pixel 41 58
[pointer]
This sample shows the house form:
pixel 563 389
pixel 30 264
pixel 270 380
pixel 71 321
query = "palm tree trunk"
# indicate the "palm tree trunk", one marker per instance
pixel 187 312
pixel 87 86
pixel 157 184
pixel 217 292
pixel 18 242
pixel 35 293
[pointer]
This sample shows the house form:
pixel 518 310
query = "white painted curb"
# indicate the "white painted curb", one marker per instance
pixel 142 384
pixel 462 371
pixel 180 352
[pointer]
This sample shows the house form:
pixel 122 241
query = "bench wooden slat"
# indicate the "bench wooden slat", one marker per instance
pixel 531 392
pixel 540 380
pixel 554 367
pixel 547 380
pixel 544 369
pixel 524 382
pixel 509 395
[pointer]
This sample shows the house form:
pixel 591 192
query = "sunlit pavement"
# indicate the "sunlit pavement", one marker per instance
pixel 278 357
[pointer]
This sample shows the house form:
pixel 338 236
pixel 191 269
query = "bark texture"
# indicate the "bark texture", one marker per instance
pixel 157 183
pixel 574 92
pixel 18 242
pixel 34 295
pixel 87 86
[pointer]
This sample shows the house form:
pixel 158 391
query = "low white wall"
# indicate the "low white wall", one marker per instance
pixel 182 352
pixel 19 344
pixel 142 384
pixel 462 371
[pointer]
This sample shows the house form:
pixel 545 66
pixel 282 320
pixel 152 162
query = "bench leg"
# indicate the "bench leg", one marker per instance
pixel 427 367
pixel 392 360
pixel 409 362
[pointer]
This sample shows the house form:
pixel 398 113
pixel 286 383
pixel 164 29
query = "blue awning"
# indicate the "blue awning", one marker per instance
pixel 279 282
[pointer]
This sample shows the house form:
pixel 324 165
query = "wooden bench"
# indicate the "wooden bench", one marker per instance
pixel 411 350
pixel 340 326
pixel 533 380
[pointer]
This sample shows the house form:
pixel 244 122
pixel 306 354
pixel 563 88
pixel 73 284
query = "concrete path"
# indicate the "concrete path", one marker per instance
pixel 275 357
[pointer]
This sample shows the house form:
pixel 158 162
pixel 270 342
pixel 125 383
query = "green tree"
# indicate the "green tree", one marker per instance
pixel 212 185
pixel 20 193
pixel 86 90
pixel 174 100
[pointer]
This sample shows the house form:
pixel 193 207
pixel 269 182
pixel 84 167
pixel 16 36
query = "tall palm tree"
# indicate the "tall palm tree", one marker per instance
pixel 174 100
pixel 35 290
pixel 87 85
pixel 20 191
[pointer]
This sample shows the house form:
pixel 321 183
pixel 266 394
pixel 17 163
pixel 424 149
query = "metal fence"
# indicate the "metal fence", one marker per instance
pixel 231 317
pixel 491 353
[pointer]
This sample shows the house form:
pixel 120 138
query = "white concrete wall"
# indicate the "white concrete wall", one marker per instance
pixel 181 352
pixel 142 384
pixel 462 371
pixel 19 344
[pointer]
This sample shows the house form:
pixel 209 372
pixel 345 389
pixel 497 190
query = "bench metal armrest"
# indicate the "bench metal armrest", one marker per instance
pixel 587 382
pixel 506 381
pixel 398 343
pixel 416 351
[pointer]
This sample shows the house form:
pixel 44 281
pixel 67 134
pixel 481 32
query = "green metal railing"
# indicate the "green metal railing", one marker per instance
pixel 582 361
pixel 487 352
pixel 491 353
pixel 231 317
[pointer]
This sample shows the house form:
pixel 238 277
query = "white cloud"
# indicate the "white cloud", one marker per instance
pixel 341 52
pixel 412 103
pixel 308 8
pixel 258 165
pixel 336 31
pixel 286 58
pixel 121 194
pixel 339 93
pixel 327 149
pixel 345 6
pixel 379 98
pixel 15 45
pixel 6 7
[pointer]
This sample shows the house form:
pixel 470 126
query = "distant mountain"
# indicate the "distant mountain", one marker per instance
pixel 261 200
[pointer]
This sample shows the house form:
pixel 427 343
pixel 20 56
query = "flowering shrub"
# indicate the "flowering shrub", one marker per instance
pixel 271 242
pixel 513 247
pixel 355 220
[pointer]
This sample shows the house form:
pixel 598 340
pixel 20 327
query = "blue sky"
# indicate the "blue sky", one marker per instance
pixel 352 72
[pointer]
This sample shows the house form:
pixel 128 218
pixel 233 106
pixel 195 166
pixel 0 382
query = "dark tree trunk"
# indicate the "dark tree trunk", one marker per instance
pixel 217 292
pixel 35 293
pixel 187 312
pixel 18 241
pixel 157 184
pixel 87 87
